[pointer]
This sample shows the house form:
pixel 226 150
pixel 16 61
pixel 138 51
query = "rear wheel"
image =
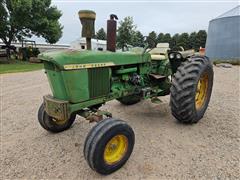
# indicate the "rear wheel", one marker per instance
pixel 129 100
pixel 51 124
pixel 191 89
pixel 108 145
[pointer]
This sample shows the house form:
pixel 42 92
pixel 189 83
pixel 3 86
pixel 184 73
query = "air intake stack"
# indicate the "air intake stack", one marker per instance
pixel 87 18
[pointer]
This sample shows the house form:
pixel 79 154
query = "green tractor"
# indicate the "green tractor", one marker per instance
pixel 82 81
pixel 28 50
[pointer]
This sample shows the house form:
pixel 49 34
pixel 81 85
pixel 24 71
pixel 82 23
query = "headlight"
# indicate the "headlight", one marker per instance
pixel 178 56
pixel 172 56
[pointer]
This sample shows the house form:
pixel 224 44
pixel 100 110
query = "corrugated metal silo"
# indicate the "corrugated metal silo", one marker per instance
pixel 223 40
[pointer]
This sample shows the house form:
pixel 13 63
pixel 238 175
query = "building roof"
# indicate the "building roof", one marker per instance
pixel 96 41
pixel 232 12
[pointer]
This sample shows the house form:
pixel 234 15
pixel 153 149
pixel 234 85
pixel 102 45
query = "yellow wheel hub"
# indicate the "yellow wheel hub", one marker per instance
pixel 115 149
pixel 201 92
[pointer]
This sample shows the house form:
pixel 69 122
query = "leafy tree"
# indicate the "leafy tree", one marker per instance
pixel 126 32
pixel 152 39
pixel 101 34
pixel 164 38
pixel 24 18
pixel 167 38
pixel 160 38
pixel 138 39
pixel 183 40
pixel 192 41
pixel 201 39
pixel 174 42
pixel 153 35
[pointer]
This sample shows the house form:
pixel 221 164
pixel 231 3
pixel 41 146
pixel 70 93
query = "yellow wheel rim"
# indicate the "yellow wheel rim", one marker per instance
pixel 201 92
pixel 115 149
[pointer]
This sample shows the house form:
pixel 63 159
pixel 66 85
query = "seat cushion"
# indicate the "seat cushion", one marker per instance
pixel 161 48
pixel 158 57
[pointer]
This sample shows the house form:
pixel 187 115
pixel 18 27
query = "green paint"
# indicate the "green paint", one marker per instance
pixel 56 82
pixel 85 87
pixel 65 57
pixel 128 70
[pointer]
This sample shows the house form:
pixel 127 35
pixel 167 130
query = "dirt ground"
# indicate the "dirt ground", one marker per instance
pixel 164 149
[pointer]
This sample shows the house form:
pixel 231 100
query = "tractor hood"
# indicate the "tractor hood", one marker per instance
pixel 75 59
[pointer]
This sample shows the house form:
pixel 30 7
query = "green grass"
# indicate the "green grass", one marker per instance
pixel 13 66
pixel 233 62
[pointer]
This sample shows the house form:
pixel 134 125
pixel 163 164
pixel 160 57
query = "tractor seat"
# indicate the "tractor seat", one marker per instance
pixel 158 57
pixel 159 52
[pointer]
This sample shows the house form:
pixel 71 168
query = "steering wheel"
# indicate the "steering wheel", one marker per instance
pixel 149 43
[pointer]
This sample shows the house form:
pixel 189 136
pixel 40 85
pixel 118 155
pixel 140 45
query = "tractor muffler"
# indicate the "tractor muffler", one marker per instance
pixel 112 33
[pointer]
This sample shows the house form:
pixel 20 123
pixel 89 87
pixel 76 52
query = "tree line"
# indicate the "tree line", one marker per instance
pixel 127 33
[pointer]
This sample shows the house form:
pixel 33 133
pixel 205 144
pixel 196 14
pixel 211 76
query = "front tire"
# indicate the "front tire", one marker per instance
pixel 52 125
pixel 108 145
pixel 191 89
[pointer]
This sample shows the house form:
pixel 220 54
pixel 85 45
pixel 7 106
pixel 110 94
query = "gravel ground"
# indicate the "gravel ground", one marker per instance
pixel 164 149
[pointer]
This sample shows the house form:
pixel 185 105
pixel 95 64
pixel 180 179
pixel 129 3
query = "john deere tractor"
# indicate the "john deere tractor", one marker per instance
pixel 28 50
pixel 82 81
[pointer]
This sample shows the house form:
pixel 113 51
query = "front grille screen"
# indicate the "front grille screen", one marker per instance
pixel 99 82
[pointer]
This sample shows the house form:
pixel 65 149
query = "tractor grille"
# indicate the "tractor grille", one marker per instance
pixel 98 81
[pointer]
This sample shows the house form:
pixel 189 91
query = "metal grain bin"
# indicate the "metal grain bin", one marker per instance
pixel 223 40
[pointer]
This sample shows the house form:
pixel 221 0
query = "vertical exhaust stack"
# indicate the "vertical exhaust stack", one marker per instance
pixel 111 33
pixel 87 18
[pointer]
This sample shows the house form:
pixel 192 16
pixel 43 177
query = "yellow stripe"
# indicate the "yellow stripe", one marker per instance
pixel 86 66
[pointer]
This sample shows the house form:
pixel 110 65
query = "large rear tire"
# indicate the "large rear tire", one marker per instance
pixel 191 89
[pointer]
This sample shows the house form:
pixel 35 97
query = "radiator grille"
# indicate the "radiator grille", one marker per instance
pixel 99 82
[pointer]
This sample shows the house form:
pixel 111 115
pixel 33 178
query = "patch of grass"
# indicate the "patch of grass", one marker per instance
pixel 233 61
pixel 13 66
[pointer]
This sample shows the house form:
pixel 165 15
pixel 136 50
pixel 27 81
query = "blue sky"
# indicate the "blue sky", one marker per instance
pixel 172 17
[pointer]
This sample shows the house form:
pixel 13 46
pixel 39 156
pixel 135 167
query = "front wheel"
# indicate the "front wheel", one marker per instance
pixel 108 145
pixel 51 124
pixel 191 89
